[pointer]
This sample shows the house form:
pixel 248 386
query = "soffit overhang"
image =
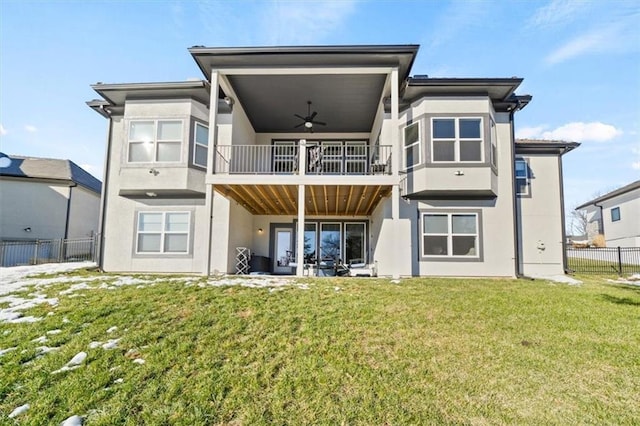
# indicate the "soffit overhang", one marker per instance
pixel 346 101
pixel 544 146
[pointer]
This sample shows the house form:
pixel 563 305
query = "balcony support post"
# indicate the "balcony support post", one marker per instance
pixel 300 233
pixel 302 157
pixel 395 167
pixel 209 189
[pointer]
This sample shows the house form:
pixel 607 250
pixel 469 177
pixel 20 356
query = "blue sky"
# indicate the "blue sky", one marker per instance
pixel 580 61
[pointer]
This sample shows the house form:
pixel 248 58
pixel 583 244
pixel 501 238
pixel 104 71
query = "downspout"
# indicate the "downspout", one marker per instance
pixel 103 195
pixel 562 218
pixel 601 225
pixel 66 222
pixel 516 210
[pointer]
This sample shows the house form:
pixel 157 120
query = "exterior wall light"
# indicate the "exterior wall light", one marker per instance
pixel 27 229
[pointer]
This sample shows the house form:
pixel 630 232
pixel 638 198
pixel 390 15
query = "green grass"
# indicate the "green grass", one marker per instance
pixel 426 351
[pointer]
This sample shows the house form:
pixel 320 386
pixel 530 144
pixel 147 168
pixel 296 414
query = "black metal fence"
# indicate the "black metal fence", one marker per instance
pixel 604 260
pixel 15 253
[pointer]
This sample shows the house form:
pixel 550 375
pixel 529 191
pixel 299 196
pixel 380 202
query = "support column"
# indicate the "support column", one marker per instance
pixel 300 232
pixel 395 164
pixel 209 189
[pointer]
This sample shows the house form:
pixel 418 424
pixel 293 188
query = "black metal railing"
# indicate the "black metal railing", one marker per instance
pixel 604 260
pixel 16 253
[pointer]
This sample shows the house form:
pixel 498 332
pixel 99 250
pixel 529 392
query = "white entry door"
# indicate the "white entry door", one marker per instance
pixel 282 251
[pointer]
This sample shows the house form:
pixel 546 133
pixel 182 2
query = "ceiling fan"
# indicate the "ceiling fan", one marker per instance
pixel 308 121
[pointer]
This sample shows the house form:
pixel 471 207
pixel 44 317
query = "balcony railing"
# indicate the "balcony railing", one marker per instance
pixel 325 159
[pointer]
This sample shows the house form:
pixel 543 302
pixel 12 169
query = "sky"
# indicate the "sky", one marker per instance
pixel 580 61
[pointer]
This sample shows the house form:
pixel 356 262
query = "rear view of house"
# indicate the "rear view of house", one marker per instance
pixel 318 155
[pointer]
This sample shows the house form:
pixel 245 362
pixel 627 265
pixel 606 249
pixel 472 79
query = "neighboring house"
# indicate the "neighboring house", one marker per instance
pixel 43 198
pixel 616 215
pixel 415 175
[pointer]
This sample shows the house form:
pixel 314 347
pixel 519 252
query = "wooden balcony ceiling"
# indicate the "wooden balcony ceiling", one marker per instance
pixel 320 200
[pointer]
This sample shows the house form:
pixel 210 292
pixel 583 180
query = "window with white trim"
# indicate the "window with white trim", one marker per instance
pixel 411 145
pixel 522 177
pixel 457 140
pixel 450 235
pixel 163 232
pixel 200 144
pixel 494 144
pixel 155 141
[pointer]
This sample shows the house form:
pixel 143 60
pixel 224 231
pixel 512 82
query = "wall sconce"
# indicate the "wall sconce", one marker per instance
pixel 27 229
pixel 260 231
pixel 151 194
pixel 154 172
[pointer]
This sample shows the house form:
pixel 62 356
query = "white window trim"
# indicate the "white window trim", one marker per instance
pixel 155 140
pixel 195 143
pixel 449 235
pixel 525 178
pixel 493 148
pixel 405 166
pixel 163 232
pixel 457 139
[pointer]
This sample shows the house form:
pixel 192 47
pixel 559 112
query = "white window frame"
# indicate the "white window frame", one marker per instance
pixel 163 232
pixel 493 153
pixel 405 147
pixel 155 140
pixel 449 235
pixel 457 139
pixel 524 178
pixel 196 144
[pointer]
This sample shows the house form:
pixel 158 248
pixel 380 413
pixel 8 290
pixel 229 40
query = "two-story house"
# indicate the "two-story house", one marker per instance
pixel 310 155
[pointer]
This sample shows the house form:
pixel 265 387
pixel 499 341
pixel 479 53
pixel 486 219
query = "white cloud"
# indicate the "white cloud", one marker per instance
pixel 576 131
pixel 530 132
pixel 31 129
pixel 3 131
pixel 615 37
pixel 304 22
pixel 557 12
pixel 635 165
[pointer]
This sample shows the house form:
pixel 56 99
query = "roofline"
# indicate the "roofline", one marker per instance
pixel 452 81
pixel 620 191
pixel 188 84
pixel 559 147
pixel 324 49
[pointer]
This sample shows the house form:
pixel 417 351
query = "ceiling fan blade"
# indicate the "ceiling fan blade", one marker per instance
pixel 300 117
pixel 301 124
pixel 312 116
pixel 319 122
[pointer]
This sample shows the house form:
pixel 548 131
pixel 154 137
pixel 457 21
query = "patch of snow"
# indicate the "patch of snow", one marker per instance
pixel 566 279
pixel 25 319
pixel 40 339
pixel 21 409
pixel 6 332
pixel 337 288
pixel 111 344
pixel 395 281
pixel 65 320
pixel 65 368
pixel 74 287
pixel 256 281
pixel 4 351
pixel 56 331
pixel 112 329
pixel 50 313
pixel 73 363
pixel 12 313
pixel 13 278
pixel 72 421
pixel 94 345
pixel 632 280
pixel 45 349
pixel 118 381
pixel 139 361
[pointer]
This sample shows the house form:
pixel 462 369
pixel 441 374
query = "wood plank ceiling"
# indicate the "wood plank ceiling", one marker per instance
pixel 320 200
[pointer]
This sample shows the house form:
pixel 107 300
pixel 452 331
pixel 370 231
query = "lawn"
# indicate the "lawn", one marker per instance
pixel 325 351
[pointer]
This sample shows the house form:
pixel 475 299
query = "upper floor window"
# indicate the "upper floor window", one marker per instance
pixel 456 140
pixel 155 141
pixel 200 144
pixel 412 145
pixel 615 214
pixel 494 144
pixel 163 232
pixel 522 177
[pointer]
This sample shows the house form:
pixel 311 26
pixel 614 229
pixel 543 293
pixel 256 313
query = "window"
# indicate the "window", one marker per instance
pixel 155 141
pixel 456 140
pixel 494 144
pixel 522 177
pixel 450 234
pixel 615 214
pixel 163 232
pixel 411 145
pixel 200 144
pixel 354 242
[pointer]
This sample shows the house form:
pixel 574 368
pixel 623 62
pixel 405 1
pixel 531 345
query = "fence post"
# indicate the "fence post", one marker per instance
pixel 60 245
pixel 619 261
pixel 35 252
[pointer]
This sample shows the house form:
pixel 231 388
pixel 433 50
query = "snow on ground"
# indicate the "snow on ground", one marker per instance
pixel 21 409
pixel 12 279
pixel 630 280
pixel 74 363
pixel 72 421
pixel 260 281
